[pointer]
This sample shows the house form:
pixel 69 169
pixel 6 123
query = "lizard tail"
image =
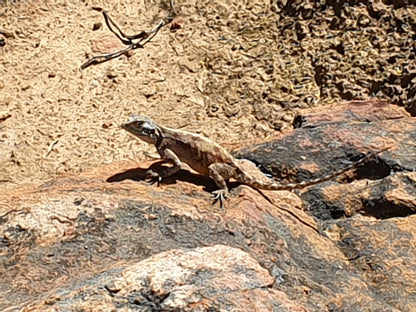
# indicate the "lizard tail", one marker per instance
pixel 276 186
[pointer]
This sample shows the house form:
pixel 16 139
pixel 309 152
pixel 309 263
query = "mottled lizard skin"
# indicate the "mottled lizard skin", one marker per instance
pixel 206 157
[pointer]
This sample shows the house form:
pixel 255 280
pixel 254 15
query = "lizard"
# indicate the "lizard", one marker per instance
pixel 207 158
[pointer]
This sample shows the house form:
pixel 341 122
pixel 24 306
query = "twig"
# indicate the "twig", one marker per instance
pixel 51 148
pixel 143 37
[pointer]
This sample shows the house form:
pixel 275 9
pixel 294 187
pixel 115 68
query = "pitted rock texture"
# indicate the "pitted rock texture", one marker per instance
pixel 201 279
pixel 234 71
pixel 106 240
pixel 332 138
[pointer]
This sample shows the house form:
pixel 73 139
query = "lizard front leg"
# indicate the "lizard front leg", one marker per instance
pixel 170 157
pixel 220 173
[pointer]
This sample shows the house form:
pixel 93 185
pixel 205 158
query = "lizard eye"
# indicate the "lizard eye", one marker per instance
pixel 139 125
pixel 146 129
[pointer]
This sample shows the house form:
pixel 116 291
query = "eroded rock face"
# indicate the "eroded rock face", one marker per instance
pixel 90 244
pixel 201 279
pixel 107 240
pixel 332 138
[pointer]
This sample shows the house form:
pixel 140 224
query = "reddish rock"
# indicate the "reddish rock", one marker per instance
pixel 201 279
pixel 106 240
pixel 321 145
pixel 106 43
pixel 177 23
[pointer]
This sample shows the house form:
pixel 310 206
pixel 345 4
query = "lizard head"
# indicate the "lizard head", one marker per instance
pixel 143 127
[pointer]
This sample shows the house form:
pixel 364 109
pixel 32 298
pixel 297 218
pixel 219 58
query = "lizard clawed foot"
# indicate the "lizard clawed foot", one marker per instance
pixel 220 195
pixel 153 177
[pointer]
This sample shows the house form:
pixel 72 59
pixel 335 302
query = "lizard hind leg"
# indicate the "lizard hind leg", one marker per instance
pixel 221 172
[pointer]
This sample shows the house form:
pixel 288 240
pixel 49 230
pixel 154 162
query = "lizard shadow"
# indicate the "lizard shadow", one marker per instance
pixel 139 174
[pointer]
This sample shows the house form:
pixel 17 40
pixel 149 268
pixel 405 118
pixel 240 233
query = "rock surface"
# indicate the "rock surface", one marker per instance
pixel 201 279
pixel 234 71
pixel 104 240
pixel 332 138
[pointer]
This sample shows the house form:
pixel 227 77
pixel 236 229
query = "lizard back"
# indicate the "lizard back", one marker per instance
pixel 195 150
